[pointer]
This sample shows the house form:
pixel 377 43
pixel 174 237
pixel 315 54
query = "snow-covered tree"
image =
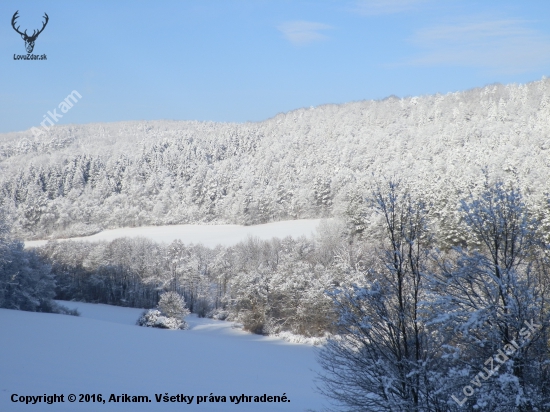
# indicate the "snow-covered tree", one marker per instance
pixel 169 315
pixel 26 281
pixel 492 299
pixel 172 305
pixel 384 354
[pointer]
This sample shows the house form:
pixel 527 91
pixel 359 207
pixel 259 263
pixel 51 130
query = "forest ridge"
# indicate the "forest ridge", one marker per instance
pixel 80 179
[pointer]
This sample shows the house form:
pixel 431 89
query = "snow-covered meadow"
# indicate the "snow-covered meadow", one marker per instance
pixel 208 235
pixel 103 352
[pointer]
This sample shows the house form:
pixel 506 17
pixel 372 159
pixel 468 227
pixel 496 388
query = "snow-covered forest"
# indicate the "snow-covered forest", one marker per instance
pixel 79 179
pixel 410 322
pixel 434 263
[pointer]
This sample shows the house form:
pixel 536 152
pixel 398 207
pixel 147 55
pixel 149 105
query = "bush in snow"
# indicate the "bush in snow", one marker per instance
pixel 153 318
pixel 53 307
pixel 169 315
pixel 218 314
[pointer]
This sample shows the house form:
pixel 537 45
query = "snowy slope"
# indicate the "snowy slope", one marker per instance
pixel 103 352
pixel 77 179
pixel 208 235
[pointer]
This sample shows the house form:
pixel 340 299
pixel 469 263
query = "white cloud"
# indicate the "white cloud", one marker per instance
pixel 377 7
pixel 505 45
pixel 303 32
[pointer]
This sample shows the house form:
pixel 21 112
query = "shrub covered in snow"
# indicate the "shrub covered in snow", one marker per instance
pixel 153 318
pixel 169 315
pixel 218 314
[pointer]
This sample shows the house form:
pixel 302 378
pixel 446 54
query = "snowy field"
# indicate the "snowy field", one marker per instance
pixel 208 235
pixel 103 352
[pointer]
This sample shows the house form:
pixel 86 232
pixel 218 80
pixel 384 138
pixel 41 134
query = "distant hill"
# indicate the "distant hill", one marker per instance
pixel 308 163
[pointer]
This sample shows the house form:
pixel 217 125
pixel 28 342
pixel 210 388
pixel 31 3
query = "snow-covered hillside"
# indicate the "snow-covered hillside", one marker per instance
pixel 103 352
pixel 77 180
pixel 207 235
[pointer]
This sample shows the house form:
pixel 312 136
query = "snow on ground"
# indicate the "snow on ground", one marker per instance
pixel 102 351
pixel 208 235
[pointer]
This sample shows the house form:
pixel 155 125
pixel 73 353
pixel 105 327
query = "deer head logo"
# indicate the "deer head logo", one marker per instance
pixel 29 40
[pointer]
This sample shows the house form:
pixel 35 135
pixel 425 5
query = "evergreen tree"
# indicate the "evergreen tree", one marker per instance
pixel 172 305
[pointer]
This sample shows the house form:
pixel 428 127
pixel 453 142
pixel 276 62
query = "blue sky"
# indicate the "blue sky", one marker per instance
pixel 247 60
